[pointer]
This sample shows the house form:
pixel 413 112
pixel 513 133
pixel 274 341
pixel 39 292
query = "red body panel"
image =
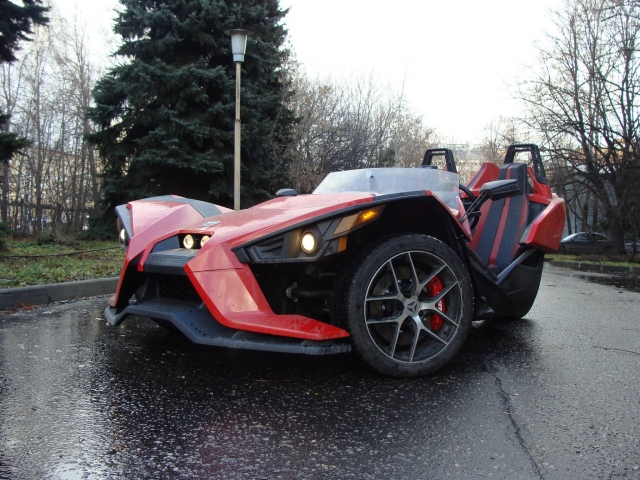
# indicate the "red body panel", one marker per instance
pixel 541 191
pixel 242 226
pixel 228 287
pixel 175 216
pixel 235 300
pixel 545 232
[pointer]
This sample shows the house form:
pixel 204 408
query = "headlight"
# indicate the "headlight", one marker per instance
pixel 188 242
pixel 123 241
pixel 308 242
pixel 193 241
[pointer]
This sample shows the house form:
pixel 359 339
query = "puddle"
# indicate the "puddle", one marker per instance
pixel 628 283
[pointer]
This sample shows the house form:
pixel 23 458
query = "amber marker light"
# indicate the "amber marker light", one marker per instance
pixel 360 218
pixel 367 215
pixel 342 243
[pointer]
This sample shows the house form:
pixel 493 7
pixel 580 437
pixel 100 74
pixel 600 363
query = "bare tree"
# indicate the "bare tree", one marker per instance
pixel 53 183
pixel 73 60
pixel 349 125
pixel 584 102
pixel 498 135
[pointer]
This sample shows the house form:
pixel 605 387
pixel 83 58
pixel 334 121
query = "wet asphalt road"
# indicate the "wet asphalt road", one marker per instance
pixel 554 396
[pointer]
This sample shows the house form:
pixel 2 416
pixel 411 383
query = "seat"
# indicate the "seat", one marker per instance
pixel 495 239
pixel 488 172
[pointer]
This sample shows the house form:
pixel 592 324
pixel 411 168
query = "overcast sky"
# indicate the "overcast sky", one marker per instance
pixel 458 59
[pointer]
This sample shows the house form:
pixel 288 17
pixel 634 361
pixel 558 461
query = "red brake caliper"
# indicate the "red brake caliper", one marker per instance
pixel 434 287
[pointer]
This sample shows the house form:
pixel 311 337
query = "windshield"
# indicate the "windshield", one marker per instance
pixel 384 181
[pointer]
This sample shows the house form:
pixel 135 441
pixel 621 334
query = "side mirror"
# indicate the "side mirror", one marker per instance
pixel 286 192
pixel 499 189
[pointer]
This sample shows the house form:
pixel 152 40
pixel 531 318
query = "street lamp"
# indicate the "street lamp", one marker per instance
pixel 238 48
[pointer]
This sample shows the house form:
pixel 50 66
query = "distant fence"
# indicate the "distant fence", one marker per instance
pixel 23 218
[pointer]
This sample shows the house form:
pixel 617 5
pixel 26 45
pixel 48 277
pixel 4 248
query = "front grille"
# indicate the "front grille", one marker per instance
pixel 177 287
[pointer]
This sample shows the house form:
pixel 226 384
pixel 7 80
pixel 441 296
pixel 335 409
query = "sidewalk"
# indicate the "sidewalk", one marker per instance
pixel 56 292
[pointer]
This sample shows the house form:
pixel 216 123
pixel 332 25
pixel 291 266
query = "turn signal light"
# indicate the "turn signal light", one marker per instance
pixel 360 218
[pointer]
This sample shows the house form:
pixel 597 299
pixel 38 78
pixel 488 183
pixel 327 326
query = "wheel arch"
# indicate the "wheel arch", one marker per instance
pixel 423 214
pixel 283 279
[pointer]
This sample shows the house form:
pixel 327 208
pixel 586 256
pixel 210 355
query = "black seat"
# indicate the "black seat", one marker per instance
pixel 495 240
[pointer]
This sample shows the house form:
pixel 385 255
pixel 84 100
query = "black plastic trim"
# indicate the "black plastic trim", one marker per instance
pixel 241 255
pixel 536 159
pixel 199 326
pixel 396 196
pixel 170 243
pixel 171 262
pixel 448 158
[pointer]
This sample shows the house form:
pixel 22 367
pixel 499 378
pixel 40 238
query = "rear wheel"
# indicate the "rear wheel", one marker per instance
pixel 408 304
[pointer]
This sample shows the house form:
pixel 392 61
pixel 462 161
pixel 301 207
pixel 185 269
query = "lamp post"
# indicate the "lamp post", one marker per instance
pixel 238 48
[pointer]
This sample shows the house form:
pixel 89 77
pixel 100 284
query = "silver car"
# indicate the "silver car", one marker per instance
pixel 585 242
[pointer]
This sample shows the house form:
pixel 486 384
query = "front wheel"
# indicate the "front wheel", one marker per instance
pixel 408 304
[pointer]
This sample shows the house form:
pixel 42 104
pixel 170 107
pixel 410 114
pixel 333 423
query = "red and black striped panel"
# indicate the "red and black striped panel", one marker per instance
pixel 495 240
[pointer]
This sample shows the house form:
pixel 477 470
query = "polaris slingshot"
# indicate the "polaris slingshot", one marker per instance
pixel 393 262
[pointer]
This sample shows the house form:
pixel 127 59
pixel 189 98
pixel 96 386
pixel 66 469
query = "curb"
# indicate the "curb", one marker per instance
pixel 56 292
pixel 596 267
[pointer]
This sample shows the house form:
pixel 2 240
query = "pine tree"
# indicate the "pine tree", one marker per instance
pixel 165 116
pixel 15 26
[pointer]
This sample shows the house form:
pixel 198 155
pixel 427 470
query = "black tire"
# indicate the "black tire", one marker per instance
pixel 388 300
pixel 563 250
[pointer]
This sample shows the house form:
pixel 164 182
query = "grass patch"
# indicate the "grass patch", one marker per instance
pixel 612 260
pixel 25 269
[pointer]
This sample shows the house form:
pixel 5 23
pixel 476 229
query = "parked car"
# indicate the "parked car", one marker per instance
pixel 393 262
pixel 585 242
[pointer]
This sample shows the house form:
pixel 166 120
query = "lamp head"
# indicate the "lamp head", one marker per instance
pixel 238 43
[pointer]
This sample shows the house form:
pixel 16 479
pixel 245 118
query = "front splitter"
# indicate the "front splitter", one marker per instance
pixel 199 326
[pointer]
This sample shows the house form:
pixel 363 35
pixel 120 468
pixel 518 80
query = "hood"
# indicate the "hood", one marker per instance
pixel 273 215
